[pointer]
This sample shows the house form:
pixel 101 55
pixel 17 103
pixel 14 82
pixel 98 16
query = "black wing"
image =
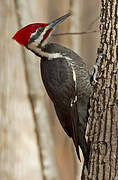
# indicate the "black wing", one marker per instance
pixel 58 80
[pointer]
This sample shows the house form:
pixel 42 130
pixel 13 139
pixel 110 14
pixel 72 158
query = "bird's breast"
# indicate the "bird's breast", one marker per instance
pixel 57 77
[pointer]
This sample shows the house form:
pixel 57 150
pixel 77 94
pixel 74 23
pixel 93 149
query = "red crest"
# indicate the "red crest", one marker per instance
pixel 22 36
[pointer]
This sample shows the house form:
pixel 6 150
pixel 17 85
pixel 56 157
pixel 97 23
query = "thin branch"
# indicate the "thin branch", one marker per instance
pixel 75 33
pixel 93 22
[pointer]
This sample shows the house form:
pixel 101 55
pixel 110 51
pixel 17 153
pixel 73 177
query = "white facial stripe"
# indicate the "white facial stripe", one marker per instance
pixel 46 40
pixel 50 56
pixel 40 38
pixel 34 33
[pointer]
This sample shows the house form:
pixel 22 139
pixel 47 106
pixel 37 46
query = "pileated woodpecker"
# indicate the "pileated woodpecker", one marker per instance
pixel 65 77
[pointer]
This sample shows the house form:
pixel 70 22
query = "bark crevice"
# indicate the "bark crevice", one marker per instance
pixel 103 134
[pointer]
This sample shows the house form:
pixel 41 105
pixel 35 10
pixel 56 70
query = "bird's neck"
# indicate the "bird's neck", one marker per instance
pixel 43 52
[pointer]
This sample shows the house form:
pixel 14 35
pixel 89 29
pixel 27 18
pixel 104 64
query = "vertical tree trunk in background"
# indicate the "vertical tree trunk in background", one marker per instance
pixel 45 140
pixel 19 153
pixel 103 121
pixel 26 145
pixel 74 27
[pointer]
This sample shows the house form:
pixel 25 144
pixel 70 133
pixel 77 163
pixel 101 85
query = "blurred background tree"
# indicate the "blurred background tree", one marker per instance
pixel 33 144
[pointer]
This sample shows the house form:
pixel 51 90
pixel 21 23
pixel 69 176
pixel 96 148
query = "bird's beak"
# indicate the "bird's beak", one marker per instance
pixel 52 24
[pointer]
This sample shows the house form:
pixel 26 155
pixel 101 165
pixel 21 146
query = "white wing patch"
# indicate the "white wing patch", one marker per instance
pixel 74 77
pixel 75 82
pixel 73 101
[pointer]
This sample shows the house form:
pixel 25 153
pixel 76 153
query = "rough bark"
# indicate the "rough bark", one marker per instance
pixel 103 121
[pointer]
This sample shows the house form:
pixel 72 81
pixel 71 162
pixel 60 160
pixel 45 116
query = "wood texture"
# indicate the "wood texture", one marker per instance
pixel 26 113
pixel 19 157
pixel 103 121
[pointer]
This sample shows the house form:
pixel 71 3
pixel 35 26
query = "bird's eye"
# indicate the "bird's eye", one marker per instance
pixel 40 29
pixel 35 34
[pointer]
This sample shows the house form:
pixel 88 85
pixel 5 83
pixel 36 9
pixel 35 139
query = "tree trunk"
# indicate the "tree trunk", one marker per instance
pixel 24 124
pixel 76 46
pixel 19 153
pixel 103 120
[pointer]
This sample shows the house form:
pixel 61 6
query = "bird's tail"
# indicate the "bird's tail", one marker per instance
pixel 75 137
pixel 84 147
pixel 82 123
